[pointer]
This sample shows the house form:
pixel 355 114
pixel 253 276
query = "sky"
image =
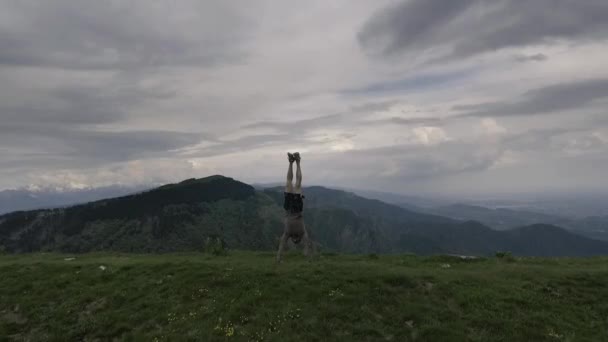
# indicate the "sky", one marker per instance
pixel 419 96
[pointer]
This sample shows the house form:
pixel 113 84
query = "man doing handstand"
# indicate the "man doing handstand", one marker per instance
pixel 293 205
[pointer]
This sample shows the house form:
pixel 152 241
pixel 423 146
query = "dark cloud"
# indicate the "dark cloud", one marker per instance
pixel 109 35
pixel 550 99
pixel 463 28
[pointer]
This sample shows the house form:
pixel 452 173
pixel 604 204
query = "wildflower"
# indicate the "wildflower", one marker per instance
pixel 552 333
pixel 171 317
pixel 336 293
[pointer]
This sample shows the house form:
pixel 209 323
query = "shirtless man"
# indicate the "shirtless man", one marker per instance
pixel 293 205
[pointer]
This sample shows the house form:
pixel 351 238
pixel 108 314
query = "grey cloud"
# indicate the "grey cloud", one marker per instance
pixel 406 121
pixel 371 107
pixel 354 113
pixel 357 118
pixel 69 106
pixel 77 104
pixel 463 28
pixel 550 99
pixel 84 147
pixel 557 141
pixel 252 142
pixel 531 140
pixel 408 24
pixel 108 35
pixel 244 143
pixel 299 125
pixel 580 144
pixel 406 163
pixel 354 117
pixel 415 83
pixel 412 163
pixel 539 57
pixel 130 144
pixel 83 80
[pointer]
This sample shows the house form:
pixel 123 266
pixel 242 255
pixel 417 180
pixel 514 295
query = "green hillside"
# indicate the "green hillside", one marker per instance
pixel 247 297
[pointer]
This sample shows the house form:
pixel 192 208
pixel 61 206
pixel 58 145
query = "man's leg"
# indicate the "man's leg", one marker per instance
pixel 289 183
pixel 298 189
pixel 282 246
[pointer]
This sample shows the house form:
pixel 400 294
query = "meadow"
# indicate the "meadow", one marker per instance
pixel 246 296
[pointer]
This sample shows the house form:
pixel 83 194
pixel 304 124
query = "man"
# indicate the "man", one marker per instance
pixel 293 205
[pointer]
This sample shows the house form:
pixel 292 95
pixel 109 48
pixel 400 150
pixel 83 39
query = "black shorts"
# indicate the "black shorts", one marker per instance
pixel 293 203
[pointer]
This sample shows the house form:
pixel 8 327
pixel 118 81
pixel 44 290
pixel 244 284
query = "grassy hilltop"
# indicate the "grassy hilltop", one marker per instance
pixel 247 297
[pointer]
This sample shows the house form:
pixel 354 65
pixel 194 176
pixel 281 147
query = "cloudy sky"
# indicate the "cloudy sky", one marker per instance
pixel 431 96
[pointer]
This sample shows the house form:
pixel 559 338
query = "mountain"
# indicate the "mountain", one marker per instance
pixel 595 227
pixel 28 199
pixel 546 239
pixel 582 213
pixel 169 218
pixel 180 217
pixel 499 218
pixel 405 201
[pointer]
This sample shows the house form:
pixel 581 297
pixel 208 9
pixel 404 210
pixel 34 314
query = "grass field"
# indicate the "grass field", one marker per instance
pixel 247 297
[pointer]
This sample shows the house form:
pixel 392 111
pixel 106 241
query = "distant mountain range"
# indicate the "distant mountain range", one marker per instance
pixel 503 215
pixel 28 199
pixel 179 217
pixel 595 227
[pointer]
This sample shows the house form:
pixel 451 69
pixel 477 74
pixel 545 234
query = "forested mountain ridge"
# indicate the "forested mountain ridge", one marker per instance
pixel 167 218
pixel 180 217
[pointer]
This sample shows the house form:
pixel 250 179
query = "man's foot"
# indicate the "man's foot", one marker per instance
pixel 291 157
pixel 297 157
